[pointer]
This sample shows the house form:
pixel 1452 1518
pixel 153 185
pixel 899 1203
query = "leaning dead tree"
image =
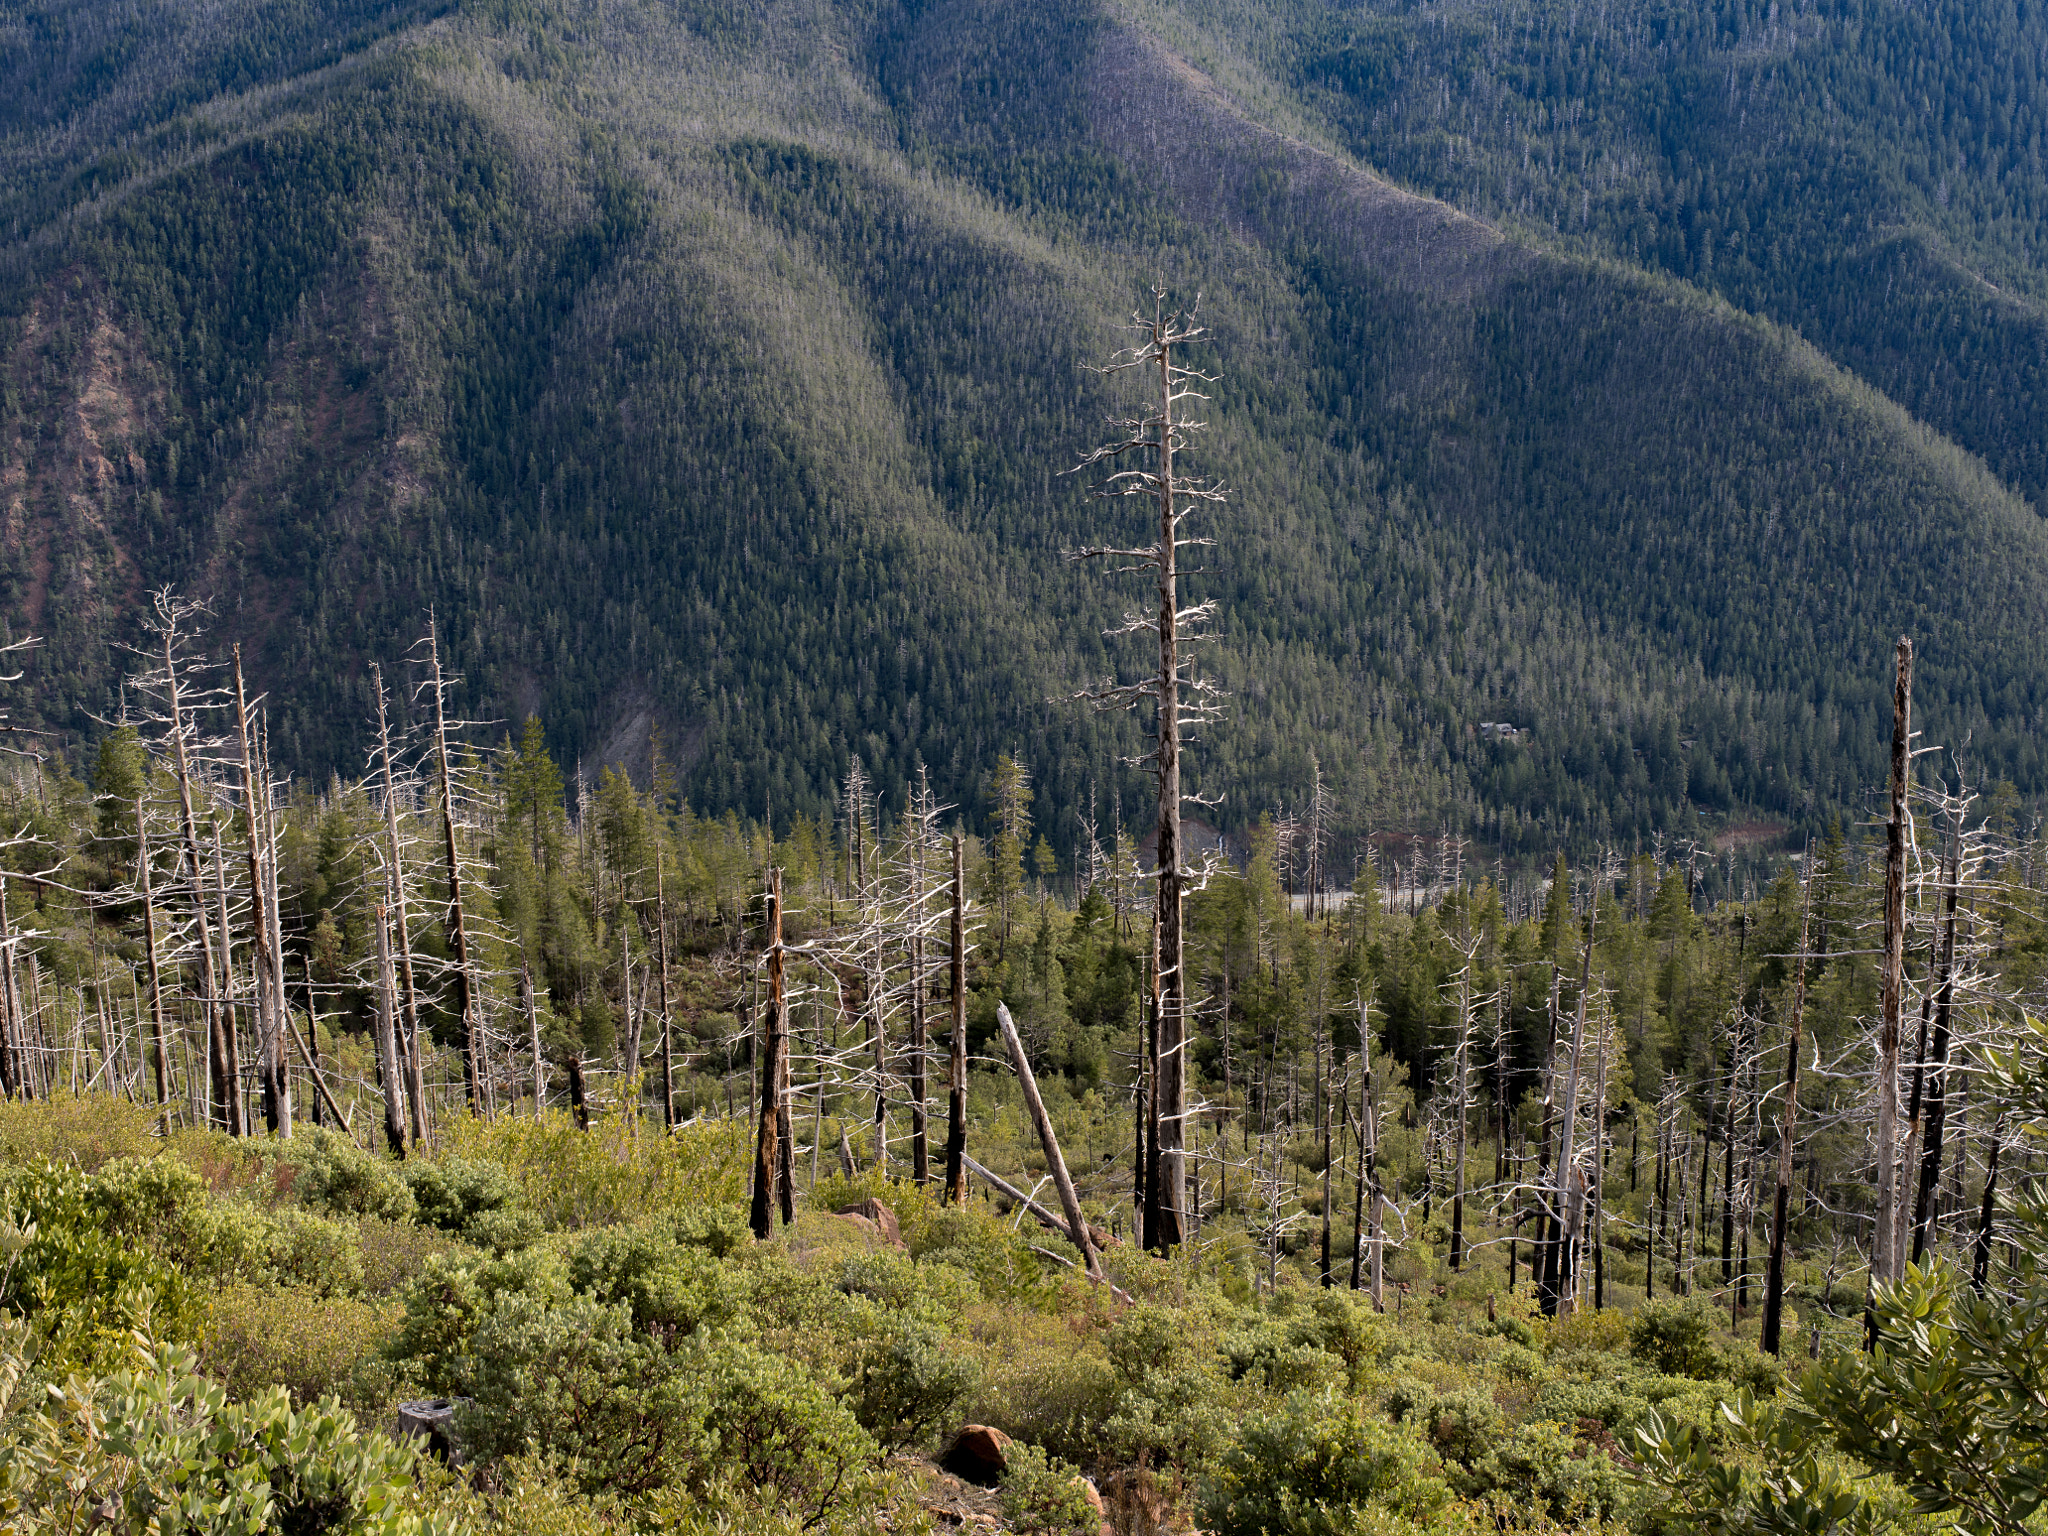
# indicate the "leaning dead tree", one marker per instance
pixel 1140 463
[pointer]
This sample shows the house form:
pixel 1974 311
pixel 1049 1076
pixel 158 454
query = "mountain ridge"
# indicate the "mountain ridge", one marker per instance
pixel 677 356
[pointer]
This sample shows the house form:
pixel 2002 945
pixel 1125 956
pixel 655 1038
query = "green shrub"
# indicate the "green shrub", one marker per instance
pixel 1460 1426
pixel 618 1171
pixel 715 1229
pixel 448 1301
pixel 329 1172
pixel 159 1447
pixel 456 1192
pixel 1270 1355
pixel 974 1240
pixel 936 1292
pixel 314 1254
pixel 1043 1494
pixel 1039 1386
pixel 907 1380
pixel 1751 1368
pixel 1543 1466
pixel 1314 1466
pixel 85 1287
pixel 576 1381
pixel 83 1132
pixel 1675 1338
pixel 666 1285
pixel 1168 1407
pixel 394 1253
pixel 312 1346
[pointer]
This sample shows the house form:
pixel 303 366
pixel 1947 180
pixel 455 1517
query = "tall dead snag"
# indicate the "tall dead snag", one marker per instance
pixel 770 1188
pixel 409 1042
pixel 227 1103
pixel 1178 697
pixel 920 1153
pixel 160 1047
pixel 15 1078
pixel 1559 1289
pixel 1070 1203
pixel 956 1056
pixel 1936 1066
pixel 458 928
pixel 1886 1249
pixel 1774 1278
pixel 668 1077
pixel 389 1079
pixel 273 1072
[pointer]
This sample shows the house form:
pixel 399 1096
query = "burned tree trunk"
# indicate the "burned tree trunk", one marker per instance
pixel 1937 1071
pixel 668 1056
pixel 160 1048
pixel 1885 1253
pixel 270 1059
pixel 389 1078
pixel 458 927
pixel 956 1057
pixel 774 1032
pixel 1177 699
pixel 1781 1205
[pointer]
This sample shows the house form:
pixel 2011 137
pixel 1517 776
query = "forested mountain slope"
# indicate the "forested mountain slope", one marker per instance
pixel 709 368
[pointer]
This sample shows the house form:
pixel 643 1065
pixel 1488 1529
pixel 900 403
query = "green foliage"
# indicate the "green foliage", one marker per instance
pixel 572 1179
pixel 83 1132
pixel 1042 1494
pixel 1674 1337
pixel 576 1380
pixel 1315 1466
pixel 158 1446
pixel 908 1379
pixel 473 1199
pixel 313 1346
pixel 330 1172
pixel 85 1284
pixel 667 1285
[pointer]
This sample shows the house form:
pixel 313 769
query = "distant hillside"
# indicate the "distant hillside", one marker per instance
pixel 708 368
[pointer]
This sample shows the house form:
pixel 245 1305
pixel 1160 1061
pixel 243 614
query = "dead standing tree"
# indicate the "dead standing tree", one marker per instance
pixel 1179 698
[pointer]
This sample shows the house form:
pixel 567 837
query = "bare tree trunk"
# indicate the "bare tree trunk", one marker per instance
pixel 1559 1267
pixel 222 929
pixel 1937 1101
pixel 415 1086
pixel 1328 1162
pixel 458 927
pixel 1070 1203
pixel 156 982
pixel 13 1032
pixel 1980 1259
pixel 1885 1253
pixel 270 1058
pixel 1153 1224
pixel 774 1038
pixel 388 1078
pixel 668 1069
pixel 540 1080
pixel 1781 1205
pixel 920 1151
pixel 956 1064
pixel 226 1100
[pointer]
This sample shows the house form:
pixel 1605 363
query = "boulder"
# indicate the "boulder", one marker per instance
pixel 978 1454
pixel 873 1219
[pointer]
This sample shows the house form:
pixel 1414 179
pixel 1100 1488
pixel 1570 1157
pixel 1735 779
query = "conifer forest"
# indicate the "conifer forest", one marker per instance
pixel 1119 767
